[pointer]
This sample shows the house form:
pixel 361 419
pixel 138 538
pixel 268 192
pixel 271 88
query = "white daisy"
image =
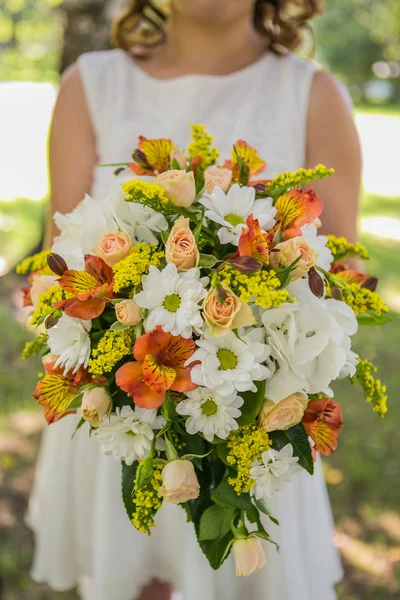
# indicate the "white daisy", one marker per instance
pixel 232 209
pixel 230 364
pixel 210 413
pixel 172 300
pixel 128 434
pixel 275 472
pixel 69 340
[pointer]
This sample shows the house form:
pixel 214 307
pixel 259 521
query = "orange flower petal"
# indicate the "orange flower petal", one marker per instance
pixel 151 343
pixel 249 155
pixel 96 267
pixel 157 152
pixel 182 382
pixel 295 209
pixel 130 379
pixel 55 392
pixel 322 421
pixel 177 351
pixel 78 283
pixel 158 377
pixel 253 241
pixel 138 170
pixel 351 276
pixel 89 309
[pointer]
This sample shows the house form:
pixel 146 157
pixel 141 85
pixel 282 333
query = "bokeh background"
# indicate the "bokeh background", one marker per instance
pixel 358 40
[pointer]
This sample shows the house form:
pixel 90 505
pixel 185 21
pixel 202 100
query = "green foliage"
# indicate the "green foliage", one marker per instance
pixel 253 402
pixel 127 485
pixel 297 437
pixel 215 522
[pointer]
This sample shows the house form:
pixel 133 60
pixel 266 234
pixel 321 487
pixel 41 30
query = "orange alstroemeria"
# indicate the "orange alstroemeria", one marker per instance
pixel 322 421
pixel 253 241
pixel 295 209
pixel 91 288
pixel 249 155
pixel 152 157
pixel 160 366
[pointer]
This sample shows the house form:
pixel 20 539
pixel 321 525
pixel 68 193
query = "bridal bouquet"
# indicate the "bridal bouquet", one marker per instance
pixel 196 320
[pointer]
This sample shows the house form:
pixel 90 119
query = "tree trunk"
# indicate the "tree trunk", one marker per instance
pixel 86 27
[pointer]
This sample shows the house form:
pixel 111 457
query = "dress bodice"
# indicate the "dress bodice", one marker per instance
pixel 265 103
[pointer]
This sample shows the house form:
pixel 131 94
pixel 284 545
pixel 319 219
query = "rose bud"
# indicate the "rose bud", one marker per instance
pixel 289 251
pixel 249 556
pixel 245 264
pixel 113 247
pixel 179 157
pixel 223 315
pixel 57 264
pixel 95 404
pixel 128 312
pixel 316 283
pixel 285 414
pixel 370 284
pixel 51 321
pixel 217 177
pixel 180 482
pixel 336 292
pixel 181 248
pixel 179 186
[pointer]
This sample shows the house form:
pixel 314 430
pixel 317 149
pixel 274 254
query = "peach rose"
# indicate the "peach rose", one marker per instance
pixel 285 414
pixel 128 312
pixel 179 157
pixel 95 404
pixel 180 482
pixel 113 247
pixel 249 556
pixel 289 251
pixel 181 248
pixel 179 186
pixel 222 317
pixel 217 177
pixel 40 285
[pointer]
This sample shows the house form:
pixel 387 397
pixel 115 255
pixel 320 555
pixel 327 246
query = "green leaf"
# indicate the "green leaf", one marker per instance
pixel 222 451
pixel 225 495
pixel 252 514
pixel 175 165
pixel 75 402
pixel 81 422
pixel 371 319
pixel 197 231
pixel 217 551
pixel 283 274
pixel 170 450
pixel 164 236
pixel 117 326
pixel 194 444
pixel 207 261
pixel 168 409
pixel 144 472
pixel 128 482
pixel 297 437
pixel 262 506
pixel 244 170
pixel 253 402
pixel 192 456
pixel 215 522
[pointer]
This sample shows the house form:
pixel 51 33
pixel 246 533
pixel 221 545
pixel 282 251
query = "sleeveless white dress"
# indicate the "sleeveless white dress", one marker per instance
pixel 82 531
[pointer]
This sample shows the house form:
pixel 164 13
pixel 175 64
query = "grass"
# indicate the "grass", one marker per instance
pixel 386 110
pixel 362 475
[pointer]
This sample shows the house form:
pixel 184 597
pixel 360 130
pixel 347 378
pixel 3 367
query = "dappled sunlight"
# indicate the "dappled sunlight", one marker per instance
pixel 382 227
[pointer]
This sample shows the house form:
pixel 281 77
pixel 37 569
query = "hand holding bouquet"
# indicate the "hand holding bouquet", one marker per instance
pixel 197 319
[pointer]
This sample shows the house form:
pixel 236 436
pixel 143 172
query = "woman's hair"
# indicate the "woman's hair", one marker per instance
pixel 282 23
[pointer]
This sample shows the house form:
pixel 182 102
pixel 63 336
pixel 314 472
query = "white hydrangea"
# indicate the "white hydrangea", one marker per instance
pixel 274 473
pixel 70 341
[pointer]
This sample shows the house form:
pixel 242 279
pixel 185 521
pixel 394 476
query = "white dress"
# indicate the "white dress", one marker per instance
pixel 82 530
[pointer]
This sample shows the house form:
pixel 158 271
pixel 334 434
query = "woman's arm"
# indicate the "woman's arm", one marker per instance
pixel 72 148
pixel 332 140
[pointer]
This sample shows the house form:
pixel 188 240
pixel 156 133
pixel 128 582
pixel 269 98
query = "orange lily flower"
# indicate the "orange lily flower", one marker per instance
pixel 253 241
pixel 152 157
pixel 91 288
pixel 160 359
pixel 55 391
pixel 295 209
pixel 249 155
pixel 322 421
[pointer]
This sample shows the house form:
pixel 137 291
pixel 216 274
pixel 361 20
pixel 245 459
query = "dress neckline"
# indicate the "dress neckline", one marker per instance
pixel 202 77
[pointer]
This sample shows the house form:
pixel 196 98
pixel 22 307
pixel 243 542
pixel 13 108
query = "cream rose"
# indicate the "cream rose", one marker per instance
pixel 113 247
pixel 95 404
pixel 128 312
pixel 180 482
pixel 181 248
pixel 249 556
pixel 179 157
pixel 285 414
pixel 179 186
pixel 222 317
pixel 289 251
pixel 217 177
pixel 40 285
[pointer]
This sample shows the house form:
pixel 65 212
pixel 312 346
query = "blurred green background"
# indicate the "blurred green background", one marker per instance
pixel 359 40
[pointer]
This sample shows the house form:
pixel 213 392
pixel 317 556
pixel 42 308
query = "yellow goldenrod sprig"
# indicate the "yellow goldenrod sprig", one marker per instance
pixel 288 180
pixel 263 286
pixel 374 390
pixel 147 502
pixel 201 145
pixel 245 446
pixel 112 347
pixel 45 304
pixel 341 248
pixel 128 272
pixel 35 347
pixel 36 262
pixel 361 299
pixel 147 194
